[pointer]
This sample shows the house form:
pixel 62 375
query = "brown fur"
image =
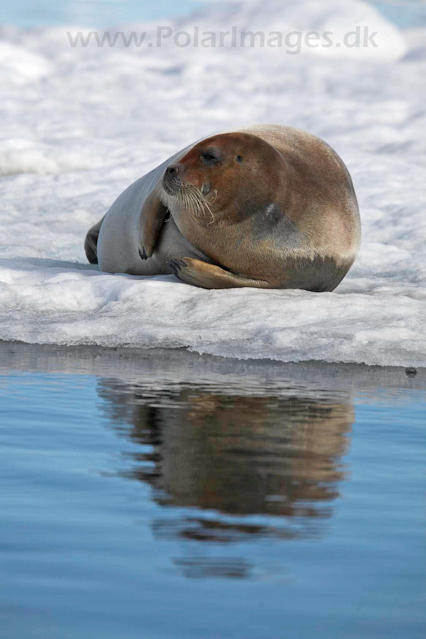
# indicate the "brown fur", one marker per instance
pixel 305 242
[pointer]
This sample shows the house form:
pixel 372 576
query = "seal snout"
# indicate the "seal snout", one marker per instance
pixel 172 178
pixel 173 169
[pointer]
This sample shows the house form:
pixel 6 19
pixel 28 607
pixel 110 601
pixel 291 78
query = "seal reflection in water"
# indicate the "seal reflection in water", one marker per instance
pixel 233 456
pixel 268 206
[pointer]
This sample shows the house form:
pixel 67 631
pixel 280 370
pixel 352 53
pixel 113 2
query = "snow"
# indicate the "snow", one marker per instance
pixel 80 124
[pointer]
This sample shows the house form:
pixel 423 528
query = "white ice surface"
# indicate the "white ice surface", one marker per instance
pixel 78 125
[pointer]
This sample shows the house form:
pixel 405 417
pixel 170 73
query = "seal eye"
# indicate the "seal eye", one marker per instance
pixel 239 158
pixel 208 157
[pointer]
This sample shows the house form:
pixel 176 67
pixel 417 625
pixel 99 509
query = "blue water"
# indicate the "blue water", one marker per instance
pixel 172 497
pixel 95 13
pixel 103 13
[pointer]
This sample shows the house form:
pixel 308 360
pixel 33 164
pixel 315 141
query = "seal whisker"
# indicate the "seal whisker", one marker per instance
pixel 189 197
pixel 201 202
pixel 195 200
pixel 191 201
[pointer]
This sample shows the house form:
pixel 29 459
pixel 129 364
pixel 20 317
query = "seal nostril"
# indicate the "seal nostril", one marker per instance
pixel 171 170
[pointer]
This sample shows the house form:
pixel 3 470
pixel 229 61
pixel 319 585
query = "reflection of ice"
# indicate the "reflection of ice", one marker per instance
pixel 165 410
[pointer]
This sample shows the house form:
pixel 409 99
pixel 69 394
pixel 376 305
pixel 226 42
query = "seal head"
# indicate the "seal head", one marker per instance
pixel 220 180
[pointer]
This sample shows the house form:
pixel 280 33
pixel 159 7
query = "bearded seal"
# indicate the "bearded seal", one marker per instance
pixel 267 206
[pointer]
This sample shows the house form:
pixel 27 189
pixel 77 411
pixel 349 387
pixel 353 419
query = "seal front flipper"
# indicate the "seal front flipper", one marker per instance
pixel 91 242
pixel 152 218
pixel 205 275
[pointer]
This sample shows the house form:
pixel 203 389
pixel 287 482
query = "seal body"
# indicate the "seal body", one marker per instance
pixel 267 206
